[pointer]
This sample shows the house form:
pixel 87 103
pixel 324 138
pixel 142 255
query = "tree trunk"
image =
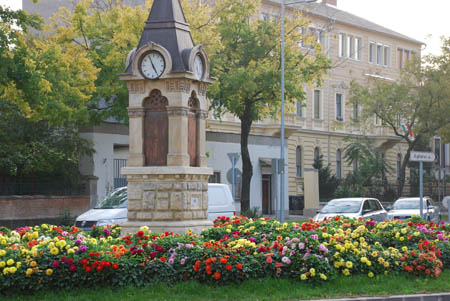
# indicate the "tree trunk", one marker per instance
pixel 247 168
pixel 401 183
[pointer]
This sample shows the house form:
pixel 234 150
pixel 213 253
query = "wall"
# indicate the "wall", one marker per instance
pixel 218 145
pixel 32 210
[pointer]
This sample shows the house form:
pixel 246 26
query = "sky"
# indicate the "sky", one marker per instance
pixel 423 20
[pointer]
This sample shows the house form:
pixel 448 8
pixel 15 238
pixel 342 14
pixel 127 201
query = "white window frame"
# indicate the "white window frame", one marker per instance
pixel 342 117
pixel 373 55
pixel 342 45
pixel 379 56
pixel 320 104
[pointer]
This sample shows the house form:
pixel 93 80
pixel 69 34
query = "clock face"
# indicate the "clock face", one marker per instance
pixel 153 65
pixel 198 67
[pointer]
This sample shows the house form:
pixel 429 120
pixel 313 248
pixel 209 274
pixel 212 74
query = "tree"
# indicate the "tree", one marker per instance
pixel 44 89
pixel 248 70
pixel 327 181
pixel 418 100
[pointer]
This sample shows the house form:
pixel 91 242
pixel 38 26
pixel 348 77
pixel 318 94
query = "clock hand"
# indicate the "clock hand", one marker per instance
pixel 154 68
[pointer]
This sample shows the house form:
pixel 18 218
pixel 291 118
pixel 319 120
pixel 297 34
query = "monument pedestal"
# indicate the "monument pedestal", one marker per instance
pixel 167 198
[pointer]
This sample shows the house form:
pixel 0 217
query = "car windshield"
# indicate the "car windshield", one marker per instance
pixel 342 206
pixel 407 204
pixel 116 199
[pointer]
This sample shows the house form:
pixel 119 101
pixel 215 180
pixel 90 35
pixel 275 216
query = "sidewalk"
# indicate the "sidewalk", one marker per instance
pixel 419 297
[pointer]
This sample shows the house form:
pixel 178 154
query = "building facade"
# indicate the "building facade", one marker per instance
pixel 319 125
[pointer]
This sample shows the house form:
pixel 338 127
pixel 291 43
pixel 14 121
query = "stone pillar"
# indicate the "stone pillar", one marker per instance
pixel 178 136
pixel 202 159
pixel 311 187
pixel 136 125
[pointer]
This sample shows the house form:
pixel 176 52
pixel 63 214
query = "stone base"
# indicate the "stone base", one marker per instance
pixel 310 212
pixel 179 227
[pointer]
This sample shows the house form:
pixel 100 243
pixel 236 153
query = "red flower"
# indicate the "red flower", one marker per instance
pixel 115 266
pixel 413 253
pixel 99 268
pixel 427 271
pixel 223 260
pixel 140 233
pixel 163 259
pixel 70 261
pixel 239 266
pixel 228 267
pixel 269 259
pixel 88 269
pixel 73 268
pixel 216 275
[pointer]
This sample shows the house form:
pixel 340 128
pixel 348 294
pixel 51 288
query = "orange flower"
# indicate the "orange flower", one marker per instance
pixel 269 259
pixel 223 260
pixel 278 264
pixel 208 261
pixel 214 259
pixel 216 275
pixel 208 269
pixel 279 237
pixel 228 267
pixel 239 266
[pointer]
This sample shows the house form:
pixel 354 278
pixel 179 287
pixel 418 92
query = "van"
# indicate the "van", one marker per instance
pixel 113 208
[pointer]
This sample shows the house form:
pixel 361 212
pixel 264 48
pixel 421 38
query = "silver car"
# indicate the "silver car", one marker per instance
pixel 405 208
pixel 354 208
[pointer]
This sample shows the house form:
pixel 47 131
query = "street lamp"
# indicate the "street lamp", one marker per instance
pixel 281 171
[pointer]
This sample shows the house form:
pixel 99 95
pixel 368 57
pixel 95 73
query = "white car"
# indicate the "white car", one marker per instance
pixel 353 208
pixel 113 208
pixel 405 208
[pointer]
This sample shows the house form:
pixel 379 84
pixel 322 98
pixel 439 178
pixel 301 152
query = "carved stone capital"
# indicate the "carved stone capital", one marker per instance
pixel 202 89
pixel 202 114
pixel 177 111
pixel 136 87
pixel 136 112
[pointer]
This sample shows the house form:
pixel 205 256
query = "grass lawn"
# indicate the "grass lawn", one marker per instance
pixel 265 289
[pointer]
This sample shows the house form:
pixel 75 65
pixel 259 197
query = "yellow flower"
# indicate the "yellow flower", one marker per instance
pixel 323 276
pixel 386 264
pixel 349 264
pixel 303 277
pixel 374 254
pixel 369 263
pixel 10 262
pixel 29 272
pixel 18 264
pixel 336 265
pixel 312 271
pixel 346 272
pixel 33 264
pixel 62 243
pixel 35 234
pixel 3 241
pixel 370 274
pixel 381 260
pixel 54 251
pixel 402 238
pixel 49 272
pixel 5 271
pixel 2 264
pixel 12 270
pixel 2 252
pixel 363 259
pixel 403 231
pixel 417 233
pixel 228 230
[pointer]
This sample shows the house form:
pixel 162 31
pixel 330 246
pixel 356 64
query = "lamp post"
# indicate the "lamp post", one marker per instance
pixel 282 159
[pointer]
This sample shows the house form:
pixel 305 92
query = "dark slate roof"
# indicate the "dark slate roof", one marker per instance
pixel 328 11
pixel 166 25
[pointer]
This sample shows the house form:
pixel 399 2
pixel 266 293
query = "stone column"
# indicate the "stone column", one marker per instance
pixel 136 126
pixel 178 136
pixel 201 149
pixel 311 188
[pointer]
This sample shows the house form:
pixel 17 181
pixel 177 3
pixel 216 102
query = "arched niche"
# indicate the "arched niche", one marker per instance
pixel 193 128
pixel 156 129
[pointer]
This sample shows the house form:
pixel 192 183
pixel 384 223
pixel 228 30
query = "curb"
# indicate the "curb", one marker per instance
pixel 418 297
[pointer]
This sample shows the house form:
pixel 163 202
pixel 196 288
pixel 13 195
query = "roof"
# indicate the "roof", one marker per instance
pixel 166 25
pixel 328 11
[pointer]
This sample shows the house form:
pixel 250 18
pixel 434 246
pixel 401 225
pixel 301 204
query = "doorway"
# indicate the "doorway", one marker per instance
pixel 266 194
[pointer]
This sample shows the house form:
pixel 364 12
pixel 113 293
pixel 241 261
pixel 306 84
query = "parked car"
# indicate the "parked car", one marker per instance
pixel 354 208
pixel 405 208
pixel 113 208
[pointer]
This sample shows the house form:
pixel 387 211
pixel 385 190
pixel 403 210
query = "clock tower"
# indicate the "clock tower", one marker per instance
pixel 167 171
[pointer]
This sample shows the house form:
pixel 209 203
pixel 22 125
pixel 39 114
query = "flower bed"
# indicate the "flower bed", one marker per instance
pixel 45 257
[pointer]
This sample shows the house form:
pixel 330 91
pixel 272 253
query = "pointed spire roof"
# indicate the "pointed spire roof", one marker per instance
pixel 166 25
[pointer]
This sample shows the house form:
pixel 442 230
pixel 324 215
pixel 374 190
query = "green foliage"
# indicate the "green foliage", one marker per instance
pixel 252 213
pixel 327 181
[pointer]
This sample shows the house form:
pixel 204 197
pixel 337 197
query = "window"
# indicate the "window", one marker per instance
pixel 317 106
pixel 356 112
pixel 387 55
pixel 342 45
pixel 215 177
pixel 338 164
pixel 339 107
pixel 399 166
pixel 311 31
pixel 372 52
pixel 404 56
pixel 119 179
pixel 299 161
pixel 379 54
pixel 350 46
pixel 355 166
pixel 377 120
pixel 299 109
pixel 316 154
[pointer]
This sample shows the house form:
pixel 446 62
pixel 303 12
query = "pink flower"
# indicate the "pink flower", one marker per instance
pixel 301 246
pixel 55 264
pixel 286 260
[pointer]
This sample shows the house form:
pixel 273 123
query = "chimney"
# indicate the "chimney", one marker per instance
pixel 330 2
